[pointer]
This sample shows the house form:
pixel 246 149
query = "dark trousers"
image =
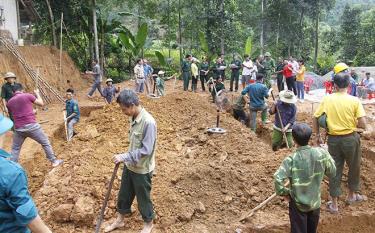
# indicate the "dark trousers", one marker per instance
pixel 194 83
pixel 186 77
pixel 280 83
pixel 234 78
pixel 345 149
pixel 303 222
pixel 241 116
pixel 204 79
pixel 291 84
pixel 135 185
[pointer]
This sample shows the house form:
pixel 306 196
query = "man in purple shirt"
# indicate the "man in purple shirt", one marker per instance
pixel 26 126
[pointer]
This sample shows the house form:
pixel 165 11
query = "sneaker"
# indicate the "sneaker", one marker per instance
pixel 147 227
pixel 57 162
pixel 118 223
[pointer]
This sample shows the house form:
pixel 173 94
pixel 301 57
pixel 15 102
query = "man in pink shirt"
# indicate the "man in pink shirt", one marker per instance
pixel 26 126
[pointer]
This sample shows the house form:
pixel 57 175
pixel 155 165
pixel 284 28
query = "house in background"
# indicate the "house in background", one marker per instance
pixel 16 17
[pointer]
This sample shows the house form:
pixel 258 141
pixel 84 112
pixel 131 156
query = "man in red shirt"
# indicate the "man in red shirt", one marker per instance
pixel 289 77
pixel 26 126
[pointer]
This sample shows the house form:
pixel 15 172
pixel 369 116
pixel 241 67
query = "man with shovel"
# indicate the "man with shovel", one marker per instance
pixel 139 163
pixel 299 179
pixel 285 115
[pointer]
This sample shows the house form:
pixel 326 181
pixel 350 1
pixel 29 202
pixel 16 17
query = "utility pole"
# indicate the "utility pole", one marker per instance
pixel 96 41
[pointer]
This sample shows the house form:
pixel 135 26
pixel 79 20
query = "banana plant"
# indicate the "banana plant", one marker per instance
pixel 248 45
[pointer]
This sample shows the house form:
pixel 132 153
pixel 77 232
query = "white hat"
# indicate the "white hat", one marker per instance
pixel 161 72
pixel 10 75
pixel 108 80
pixel 288 97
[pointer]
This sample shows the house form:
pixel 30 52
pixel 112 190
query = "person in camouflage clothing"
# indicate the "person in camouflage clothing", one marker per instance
pixel 268 65
pixel 304 169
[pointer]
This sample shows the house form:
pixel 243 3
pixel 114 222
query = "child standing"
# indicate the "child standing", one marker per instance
pixel 72 112
pixel 110 91
pixel 304 171
pixel 301 81
pixel 287 110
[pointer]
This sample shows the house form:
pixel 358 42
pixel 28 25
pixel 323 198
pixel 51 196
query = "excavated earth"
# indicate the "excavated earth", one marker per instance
pixel 203 183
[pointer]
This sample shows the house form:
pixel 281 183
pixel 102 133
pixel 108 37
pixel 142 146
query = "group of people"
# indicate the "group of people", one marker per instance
pixel 298 179
pixel 300 175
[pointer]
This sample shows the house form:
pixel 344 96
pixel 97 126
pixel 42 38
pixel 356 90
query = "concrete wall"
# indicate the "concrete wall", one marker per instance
pixel 10 16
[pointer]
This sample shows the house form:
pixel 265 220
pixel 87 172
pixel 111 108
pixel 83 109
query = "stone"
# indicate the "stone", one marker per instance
pixel 62 213
pixel 83 211
pixel 186 216
pixel 228 199
pixel 200 208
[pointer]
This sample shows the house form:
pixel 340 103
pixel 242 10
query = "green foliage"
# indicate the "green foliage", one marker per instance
pixel 203 42
pixel 161 58
pixel 325 64
pixel 248 45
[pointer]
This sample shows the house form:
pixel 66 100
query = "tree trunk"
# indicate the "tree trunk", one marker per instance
pixel 208 27
pixel 96 41
pixel 222 40
pixel 169 29
pixel 278 31
pixel 180 29
pixel 262 29
pixel 51 17
pixel 102 41
pixel 316 38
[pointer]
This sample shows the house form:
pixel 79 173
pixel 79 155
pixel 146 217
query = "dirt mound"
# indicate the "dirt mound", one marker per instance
pixel 204 183
pixel 48 59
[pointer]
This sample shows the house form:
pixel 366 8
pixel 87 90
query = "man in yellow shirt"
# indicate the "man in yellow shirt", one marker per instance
pixel 344 114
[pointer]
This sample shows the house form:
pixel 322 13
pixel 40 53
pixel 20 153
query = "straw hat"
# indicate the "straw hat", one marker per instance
pixel 288 97
pixel 9 75
pixel 161 72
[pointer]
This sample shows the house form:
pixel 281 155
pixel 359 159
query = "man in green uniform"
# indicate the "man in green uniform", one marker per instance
pixel 8 89
pixel 304 170
pixel 219 85
pixel 239 109
pixel 219 68
pixel 139 163
pixel 186 71
pixel 268 68
pixel 235 66
pixel 203 72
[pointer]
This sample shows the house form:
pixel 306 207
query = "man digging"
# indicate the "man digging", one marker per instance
pixel 139 163
pixel 26 126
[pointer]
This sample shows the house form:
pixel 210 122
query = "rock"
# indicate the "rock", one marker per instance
pixel 200 208
pixel 186 216
pixel 228 199
pixel 202 138
pixel 62 213
pixel 83 211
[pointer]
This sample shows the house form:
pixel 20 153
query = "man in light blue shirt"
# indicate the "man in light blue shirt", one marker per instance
pixel 18 212
pixel 257 92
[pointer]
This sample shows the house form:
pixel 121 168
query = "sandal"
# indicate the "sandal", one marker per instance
pixel 357 198
pixel 331 209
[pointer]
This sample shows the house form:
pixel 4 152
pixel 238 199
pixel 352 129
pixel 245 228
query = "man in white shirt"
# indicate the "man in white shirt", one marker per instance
pixel 139 76
pixel 247 71
pixel 295 65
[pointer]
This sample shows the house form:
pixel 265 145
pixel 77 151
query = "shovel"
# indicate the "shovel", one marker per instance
pixel 101 215
pixel 260 206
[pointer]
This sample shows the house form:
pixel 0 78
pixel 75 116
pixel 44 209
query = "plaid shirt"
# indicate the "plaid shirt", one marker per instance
pixel 139 71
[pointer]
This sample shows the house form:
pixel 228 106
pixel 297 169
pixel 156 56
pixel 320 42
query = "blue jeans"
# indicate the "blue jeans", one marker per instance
pixel 70 128
pixel 300 90
pixel 96 85
pixel 253 115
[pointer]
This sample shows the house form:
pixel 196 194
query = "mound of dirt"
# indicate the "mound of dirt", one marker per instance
pixel 48 59
pixel 203 183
